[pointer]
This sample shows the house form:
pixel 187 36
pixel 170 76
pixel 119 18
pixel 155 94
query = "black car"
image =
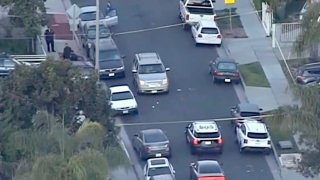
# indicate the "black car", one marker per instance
pixel 151 143
pixel 307 73
pixel 7 64
pixel 206 170
pixel 224 70
pixel 244 111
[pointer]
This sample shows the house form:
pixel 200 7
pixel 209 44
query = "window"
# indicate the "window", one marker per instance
pixel 110 55
pixel 104 33
pixel 209 31
pixel 121 96
pixel 89 16
pixel 207 135
pixel 227 66
pixel 159 171
pixel 205 11
pixel 151 68
pixel 258 135
pixel 248 114
pixel 154 137
pixel 209 169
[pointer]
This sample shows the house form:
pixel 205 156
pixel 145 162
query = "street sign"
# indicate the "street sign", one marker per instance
pixel 73 12
pixel 229 2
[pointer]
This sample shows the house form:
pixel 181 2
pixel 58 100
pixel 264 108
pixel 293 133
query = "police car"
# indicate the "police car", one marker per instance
pixel 253 135
pixel 204 136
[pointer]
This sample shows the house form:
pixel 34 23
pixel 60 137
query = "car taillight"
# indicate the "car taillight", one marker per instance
pixel 220 141
pixel 195 141
pixel 187 17
pixel 269 142
pixel 146 148
pixel 200 35
pixel 219 36
pixel 218 73
pixel 245 141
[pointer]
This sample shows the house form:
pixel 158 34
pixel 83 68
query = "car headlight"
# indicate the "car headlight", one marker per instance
pixel 165 81
pixel 142 82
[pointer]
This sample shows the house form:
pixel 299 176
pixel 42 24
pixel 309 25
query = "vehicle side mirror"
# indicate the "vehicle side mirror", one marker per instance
pixel 134 71
pixel 192 164
pixel 167 69
pixel 136 135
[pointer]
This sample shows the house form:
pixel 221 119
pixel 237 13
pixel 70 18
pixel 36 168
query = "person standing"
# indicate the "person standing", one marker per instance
pixel 49 36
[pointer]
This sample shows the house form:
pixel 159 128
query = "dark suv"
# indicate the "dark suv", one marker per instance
pixel 244 111
pixel 7 64
pixel 224 70
pixel 110 61
pixel 307 73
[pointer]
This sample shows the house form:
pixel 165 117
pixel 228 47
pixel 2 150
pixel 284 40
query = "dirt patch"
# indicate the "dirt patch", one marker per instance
pixel 233 30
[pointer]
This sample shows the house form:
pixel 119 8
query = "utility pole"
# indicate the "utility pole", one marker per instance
pixel 97 67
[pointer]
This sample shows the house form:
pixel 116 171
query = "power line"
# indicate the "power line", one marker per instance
pixel 189 121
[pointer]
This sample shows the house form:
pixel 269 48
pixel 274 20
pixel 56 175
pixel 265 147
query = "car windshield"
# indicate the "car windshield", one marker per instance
pixel 258 135
pixel 104 33
pixel 88 16
pixel 207 135
pixel 112 54
pixel 248 114
pixel 159 171
pixel 154 137
pixel 209 31
pixel 227 66
pixel 209 169
pixel 119 96
pixel 151 68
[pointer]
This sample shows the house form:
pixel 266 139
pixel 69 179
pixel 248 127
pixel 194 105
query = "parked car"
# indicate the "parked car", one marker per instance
pixel 243 111
pixel 111 63
pixel 150 75
pixel 7 64
pixel 88 36
pixel 224 70
pixel 151 143
pixel 206 32
pixel 122 100
pixel 204 136
pixel 253 136
pixel 159 168
pixel 88 16
pixel 307 73
pixel 206 170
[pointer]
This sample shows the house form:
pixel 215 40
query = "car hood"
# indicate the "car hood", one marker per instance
pixel 111 64
pixel 153 77
pixel 123 103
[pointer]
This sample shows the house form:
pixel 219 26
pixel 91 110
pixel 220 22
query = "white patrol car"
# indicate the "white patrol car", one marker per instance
pixel 158 168
pixel 204 136
pixel 122 100
pixel 206 32
pixel 253 135
pixel 88 16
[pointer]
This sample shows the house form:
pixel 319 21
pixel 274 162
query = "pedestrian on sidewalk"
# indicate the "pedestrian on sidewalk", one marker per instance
pixel 49 36
pixel 66 52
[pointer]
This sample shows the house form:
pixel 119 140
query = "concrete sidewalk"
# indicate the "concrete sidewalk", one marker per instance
pixel 58 7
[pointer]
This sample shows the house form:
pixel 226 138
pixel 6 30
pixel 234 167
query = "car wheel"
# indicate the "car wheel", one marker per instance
pixel 241 149
pixel 136 111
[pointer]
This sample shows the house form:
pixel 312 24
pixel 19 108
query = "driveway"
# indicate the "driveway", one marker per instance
pixel 192 95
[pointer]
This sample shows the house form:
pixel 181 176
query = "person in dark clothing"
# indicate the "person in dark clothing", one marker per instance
pixel 67 52
pixel 49 36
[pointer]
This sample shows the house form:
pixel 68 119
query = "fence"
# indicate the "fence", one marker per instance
pixel 287 32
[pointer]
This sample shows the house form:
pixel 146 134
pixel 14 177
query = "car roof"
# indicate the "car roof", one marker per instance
pixel 107 44
pixel 255 127
pixel 214 165
pixel 149 58
pixel 88 9
pixel 151 131
pixel 209 24
pixel 248 107
pixel 158 162
pixel 205 126
pixel 117 89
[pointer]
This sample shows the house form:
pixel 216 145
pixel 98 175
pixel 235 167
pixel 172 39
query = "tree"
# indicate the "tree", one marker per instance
pixel 309 37
pixel 304 120
pixel 31 12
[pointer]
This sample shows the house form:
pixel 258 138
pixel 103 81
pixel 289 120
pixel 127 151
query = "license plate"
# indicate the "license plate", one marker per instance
pixel 125 112
pixel 111 74
pixel 207 142
pixel 158 155
pixel 154 91
pixel 227 80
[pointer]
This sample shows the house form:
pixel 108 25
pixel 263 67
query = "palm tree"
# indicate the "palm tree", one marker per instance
pixel 309 38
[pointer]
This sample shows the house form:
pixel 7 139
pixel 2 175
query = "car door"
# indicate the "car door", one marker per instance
pixel 189 130
pixel 111 18
pixel 135 68
pixel 194 30
pixel 241 131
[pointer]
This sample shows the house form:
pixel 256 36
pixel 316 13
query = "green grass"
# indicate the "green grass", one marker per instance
pixel 15 46
pixel 253 75
pixel 258 6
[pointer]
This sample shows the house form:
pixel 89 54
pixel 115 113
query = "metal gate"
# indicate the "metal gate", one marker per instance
pixel 289 32
pixel 266 18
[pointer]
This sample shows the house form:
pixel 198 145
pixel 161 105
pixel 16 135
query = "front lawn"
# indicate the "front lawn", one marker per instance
pixel 253 75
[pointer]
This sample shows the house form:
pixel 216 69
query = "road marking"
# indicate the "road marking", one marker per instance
pixel 184 122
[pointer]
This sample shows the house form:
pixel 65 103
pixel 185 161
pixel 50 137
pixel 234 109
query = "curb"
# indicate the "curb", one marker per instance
pixel 123 147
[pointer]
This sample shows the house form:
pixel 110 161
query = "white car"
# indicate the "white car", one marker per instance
pixel 253 135
pixel 159 168
pixel 122 100
pixel 206 32
pixel 88 16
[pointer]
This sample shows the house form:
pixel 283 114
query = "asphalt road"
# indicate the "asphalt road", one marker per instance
pixel 192 95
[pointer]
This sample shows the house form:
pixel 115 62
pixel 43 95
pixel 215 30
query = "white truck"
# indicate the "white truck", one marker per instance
pixel 193 11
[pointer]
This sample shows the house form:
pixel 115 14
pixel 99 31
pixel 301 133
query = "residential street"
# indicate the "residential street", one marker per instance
pixel 192 95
